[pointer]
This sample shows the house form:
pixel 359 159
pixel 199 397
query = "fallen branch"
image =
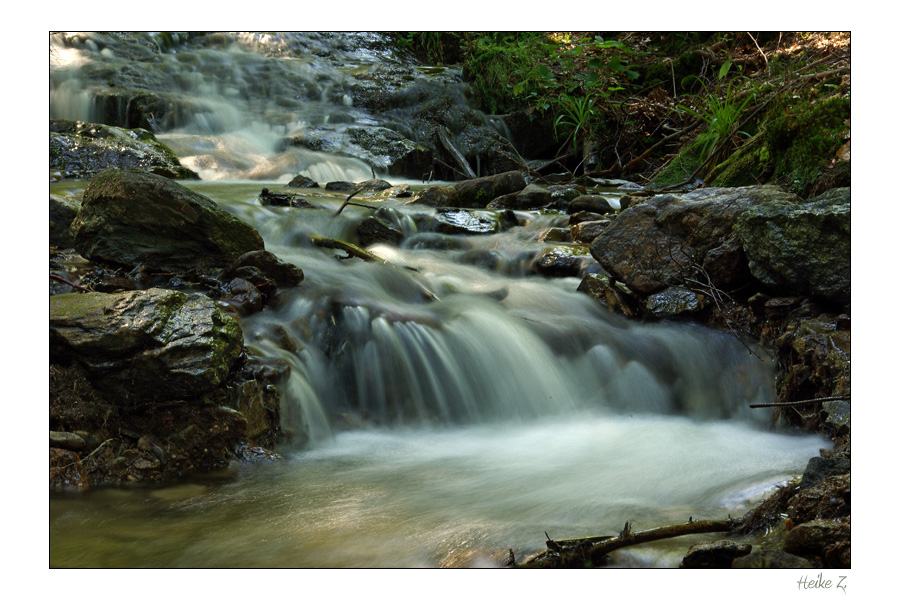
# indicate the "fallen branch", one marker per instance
pixel 455 154
pixel 799 402
pixel 350 249
pixel 67 282
pixel 576 551
pixel 354 250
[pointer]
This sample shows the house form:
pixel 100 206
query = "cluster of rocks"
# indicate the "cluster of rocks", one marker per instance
pixel 150 379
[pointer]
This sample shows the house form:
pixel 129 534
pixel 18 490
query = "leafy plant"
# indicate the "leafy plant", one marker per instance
pixel 575 113
pixel 720 113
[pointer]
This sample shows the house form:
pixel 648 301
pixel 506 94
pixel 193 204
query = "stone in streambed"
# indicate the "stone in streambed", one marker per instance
pixel 477 193
pixel 373 230
pixel 145 345
pixel 651 246
pixel 714 555
pixel 801 247
pixel 133 218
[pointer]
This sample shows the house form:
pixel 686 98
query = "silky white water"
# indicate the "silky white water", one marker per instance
pixel 440 410
pixel 447 432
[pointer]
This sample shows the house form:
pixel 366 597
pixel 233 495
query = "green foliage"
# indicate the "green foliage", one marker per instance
pixel 574 113
pixel 507 70
pixel 720 111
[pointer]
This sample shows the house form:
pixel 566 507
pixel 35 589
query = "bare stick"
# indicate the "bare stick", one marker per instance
pixel 799 402
pixel 67 282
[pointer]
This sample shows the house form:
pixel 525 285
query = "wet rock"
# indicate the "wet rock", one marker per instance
pixel 582 216
pixel 586 231
pixel 435 241
pixel 67 441
pixel 629 200
pixel 477 193
pixel 485 258
pixel 801 247
pixel 814 355
pixel 532 196
pixel 589 203
pixel 827 499
pixel 398 191
pixel 134 218
pixel 147 345
pixel 563 194
pixel 373 230
pixel 436 195
pixel 562 261
pixel 252 454
pixel 818 468
pixel 490 152
pixel 267 198
pixel 771 559
pixel 554 234
pixel 714 555
pixel 455 221
pixel 285 274
pixel 302 181
pixel 674 301
pixel 504 202
pixel 82 150
pixel 244 296
pixel 653 245
pixel 815 538
pixel 339 186
pixel 617 298
pixel 388 150
pixel 836 415
pixel 62 212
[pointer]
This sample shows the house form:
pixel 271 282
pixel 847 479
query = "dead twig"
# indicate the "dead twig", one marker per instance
pixel 799 402
pixel 67 282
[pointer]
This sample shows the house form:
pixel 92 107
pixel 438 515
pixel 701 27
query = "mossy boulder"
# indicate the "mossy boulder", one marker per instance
pixel 135 218
pixel 661 242
pixel 148 345
pixel 801 248
pixel 80 149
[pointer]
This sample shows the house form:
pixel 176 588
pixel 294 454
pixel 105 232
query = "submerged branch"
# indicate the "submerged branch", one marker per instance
pixel 350 249
pixel 575 551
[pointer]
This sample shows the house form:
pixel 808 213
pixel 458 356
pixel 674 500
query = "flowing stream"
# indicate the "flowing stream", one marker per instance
pixel 438 412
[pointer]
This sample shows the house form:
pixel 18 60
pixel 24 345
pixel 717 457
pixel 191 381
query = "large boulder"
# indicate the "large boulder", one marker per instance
pixel 669 238
pixel 81 149
pixel 801 248
pixel 148 345
pixel 132 218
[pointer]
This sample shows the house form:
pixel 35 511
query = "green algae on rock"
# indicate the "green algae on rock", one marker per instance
pixel 134 218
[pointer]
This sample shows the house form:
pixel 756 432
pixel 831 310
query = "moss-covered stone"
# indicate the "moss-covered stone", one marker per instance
pixel 133 218
pixel 147 345
pixel 80 149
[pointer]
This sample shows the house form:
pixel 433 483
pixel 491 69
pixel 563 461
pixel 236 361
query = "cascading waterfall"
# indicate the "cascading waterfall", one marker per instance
pixel 437 412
